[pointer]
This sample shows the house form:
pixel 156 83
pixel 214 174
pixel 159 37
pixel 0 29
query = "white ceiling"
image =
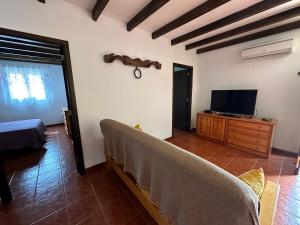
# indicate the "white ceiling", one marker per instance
pixel 124 10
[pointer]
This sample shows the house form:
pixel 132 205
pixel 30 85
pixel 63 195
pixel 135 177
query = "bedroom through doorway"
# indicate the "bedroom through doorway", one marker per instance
pixel 40 137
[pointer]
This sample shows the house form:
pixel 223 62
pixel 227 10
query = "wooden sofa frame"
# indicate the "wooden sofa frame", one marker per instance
pixel 268 201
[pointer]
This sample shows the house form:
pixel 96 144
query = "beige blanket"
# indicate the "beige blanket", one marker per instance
pixel 187 189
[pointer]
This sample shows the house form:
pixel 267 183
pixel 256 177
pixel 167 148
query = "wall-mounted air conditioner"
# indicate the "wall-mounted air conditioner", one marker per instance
pixel 271 48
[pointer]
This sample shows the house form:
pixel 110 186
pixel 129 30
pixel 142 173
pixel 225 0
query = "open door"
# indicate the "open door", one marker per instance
pixel 182 96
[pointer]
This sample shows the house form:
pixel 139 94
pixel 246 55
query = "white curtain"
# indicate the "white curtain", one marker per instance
pixel 24 83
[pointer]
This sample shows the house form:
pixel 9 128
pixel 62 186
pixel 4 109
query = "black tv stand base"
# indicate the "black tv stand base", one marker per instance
pixel 229 115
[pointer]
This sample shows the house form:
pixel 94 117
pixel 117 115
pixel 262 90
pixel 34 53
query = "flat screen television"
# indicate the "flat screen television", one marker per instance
pixel 240 102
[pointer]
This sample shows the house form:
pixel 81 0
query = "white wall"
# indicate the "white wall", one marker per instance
pixel 106 90
pixel 275 77
pixel 50 112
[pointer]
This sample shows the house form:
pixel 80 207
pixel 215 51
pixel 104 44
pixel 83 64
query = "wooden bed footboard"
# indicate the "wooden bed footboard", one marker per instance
pixel 130 183
pixel 267 207
pixel 268 203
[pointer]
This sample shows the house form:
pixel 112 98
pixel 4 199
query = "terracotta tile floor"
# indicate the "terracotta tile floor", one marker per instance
pixel 47 190
pixel 278 168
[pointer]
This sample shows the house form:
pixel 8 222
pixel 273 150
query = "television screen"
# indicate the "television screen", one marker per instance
pixel 234 101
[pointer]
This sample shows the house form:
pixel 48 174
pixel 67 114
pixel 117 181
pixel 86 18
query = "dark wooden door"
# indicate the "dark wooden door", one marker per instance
pixel 181 99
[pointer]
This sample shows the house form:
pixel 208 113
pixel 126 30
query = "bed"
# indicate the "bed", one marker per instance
pixel 179 188
pixel 22 134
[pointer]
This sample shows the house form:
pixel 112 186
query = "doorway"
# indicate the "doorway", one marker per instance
pixel 182 97
pixel 31 48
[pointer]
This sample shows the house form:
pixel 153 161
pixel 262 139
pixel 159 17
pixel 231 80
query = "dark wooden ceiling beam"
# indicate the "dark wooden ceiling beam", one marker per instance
pixel 147 11
pixel 189 16
pixel 250 11
pixel 250 37
pixel 98 8
pixel 249 27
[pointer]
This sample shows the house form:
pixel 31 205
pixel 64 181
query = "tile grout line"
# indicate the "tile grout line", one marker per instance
pixel 288 212
pixel 279 175
pixel 9 183
pixel 83 220
pixel 99 203
pixel 35 189
pixel 254 164
pixel 37 201
pixel 286 195
pixel 230 161
pixel 48 215
pixel 63 180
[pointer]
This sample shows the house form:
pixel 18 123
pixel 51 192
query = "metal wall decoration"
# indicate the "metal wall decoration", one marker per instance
pixel 126 60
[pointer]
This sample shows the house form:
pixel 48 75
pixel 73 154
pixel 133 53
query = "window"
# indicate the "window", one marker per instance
pixel 36 87
pixel 17 87
pixel 24 86
pixel 24 83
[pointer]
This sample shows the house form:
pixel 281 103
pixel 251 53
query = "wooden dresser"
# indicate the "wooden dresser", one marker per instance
pixel 250 135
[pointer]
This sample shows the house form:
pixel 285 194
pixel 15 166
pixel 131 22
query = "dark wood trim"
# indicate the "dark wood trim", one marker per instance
pixel 250 11
pixel 7 38
pixel 277 151
pixel 30 38
pixel 55 124
pixel 200 10
pixel 249 27
pixel 69 84
pixel 147 11
pixel 191 70
pixel 5 193
pixel 98 8
pixel 31 59
pixel 34 48
pixel 21 52
pixel 250 37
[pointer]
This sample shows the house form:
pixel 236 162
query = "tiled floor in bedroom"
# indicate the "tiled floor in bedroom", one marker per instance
pixel 47 189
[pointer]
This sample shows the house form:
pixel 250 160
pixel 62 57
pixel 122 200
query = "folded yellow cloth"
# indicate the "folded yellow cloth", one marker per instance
pixel 255 179
pixel 138 126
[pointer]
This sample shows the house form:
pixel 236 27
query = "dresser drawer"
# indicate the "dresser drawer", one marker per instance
pixel 247 145
pixel 253 126
pixel 248 139
pixel 247 132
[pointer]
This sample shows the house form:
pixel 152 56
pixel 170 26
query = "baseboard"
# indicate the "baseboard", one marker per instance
pixel 56 124
pixel 95 168
pixel 282 152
